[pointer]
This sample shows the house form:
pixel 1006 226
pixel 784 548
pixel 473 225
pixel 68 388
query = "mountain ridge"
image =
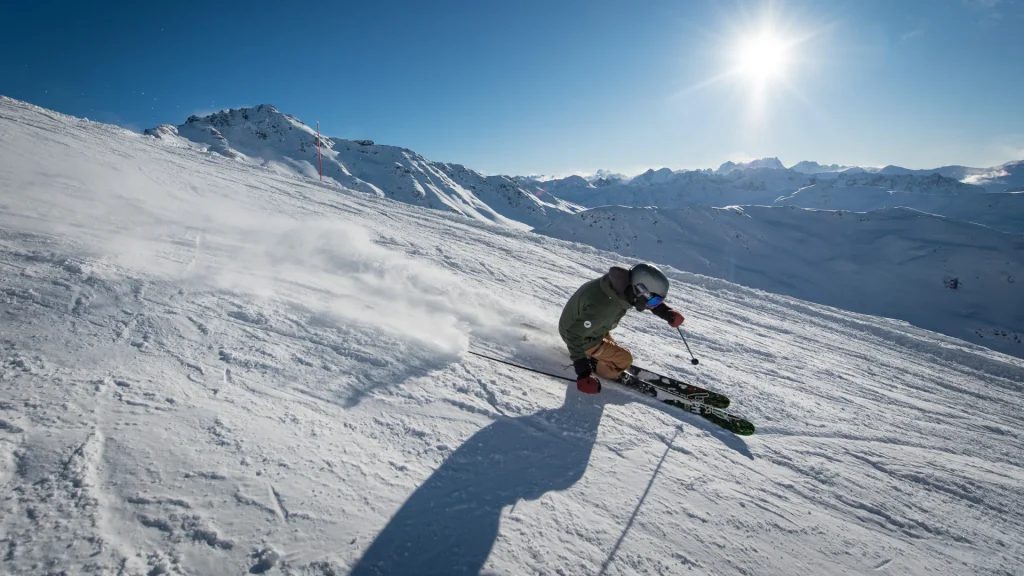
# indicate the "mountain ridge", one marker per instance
pixel 280 142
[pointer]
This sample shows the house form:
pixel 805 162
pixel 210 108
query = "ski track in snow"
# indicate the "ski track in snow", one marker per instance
pixel 210 368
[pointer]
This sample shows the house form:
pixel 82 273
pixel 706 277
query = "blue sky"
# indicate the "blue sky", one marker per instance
pixel 551 87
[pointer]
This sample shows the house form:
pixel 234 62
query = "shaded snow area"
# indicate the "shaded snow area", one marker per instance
pixel 207 367
pixel 947 275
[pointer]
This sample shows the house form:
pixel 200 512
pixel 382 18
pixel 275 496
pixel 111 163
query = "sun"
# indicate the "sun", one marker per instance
pixel 762 57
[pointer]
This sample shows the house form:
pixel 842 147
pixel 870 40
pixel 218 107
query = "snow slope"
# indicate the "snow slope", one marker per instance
pixel 210 368
pixel 263 135
pixel 845 190
pixel 946 275
pixel 932 193
pixel 1006 177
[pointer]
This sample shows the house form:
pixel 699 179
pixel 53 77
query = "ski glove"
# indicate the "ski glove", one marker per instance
pixel 670 315
pixel 583 367
pixel 676 320
pixel 588 385
pixel 585 382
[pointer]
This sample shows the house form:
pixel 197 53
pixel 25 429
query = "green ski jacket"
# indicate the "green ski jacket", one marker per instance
pixel 593 311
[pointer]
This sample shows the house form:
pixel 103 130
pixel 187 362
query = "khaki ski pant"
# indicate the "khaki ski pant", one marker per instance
pixel 612 359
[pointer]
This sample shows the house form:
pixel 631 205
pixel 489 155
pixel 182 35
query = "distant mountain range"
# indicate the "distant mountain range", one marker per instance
pixel 985 196
pixel 280 142
pixel 1007 177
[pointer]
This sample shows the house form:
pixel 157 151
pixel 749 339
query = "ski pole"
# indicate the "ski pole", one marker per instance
pixel 521 367
pixel 693 360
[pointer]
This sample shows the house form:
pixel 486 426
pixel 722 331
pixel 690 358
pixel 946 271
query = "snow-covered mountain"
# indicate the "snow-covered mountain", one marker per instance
pixel 263 135
pixel 769 163
pixel 846 189
pixel 560 186
pixel 1003 178
pixel 280 142
pixel 811 167
pixel 930 193
pixel 946 275
pixel 670 189
pixel 207 367
pixel 1007 177
pixel 600 177
pixel 608 176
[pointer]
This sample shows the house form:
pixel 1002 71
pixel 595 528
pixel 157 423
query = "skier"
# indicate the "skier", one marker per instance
pixel 595 310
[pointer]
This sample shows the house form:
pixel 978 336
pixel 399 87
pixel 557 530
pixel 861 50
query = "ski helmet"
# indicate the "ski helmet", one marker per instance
pixel 650 285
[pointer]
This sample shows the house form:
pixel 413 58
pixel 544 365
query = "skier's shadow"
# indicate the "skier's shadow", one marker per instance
pixel 449 524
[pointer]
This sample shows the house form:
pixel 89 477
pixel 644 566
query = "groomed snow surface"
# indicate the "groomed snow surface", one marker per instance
pixel 209 367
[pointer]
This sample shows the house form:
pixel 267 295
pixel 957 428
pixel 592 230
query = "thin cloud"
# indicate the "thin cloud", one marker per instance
pixel 916 29
pixel 911 34
pixel 991 12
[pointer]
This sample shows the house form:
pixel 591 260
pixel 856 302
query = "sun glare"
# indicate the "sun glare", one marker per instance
pixel 762 57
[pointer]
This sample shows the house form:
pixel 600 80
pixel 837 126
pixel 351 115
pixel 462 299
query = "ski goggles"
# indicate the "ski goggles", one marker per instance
pixel 652 299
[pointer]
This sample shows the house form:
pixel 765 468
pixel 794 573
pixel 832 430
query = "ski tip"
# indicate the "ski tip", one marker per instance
pixel 742 428
pixel 737 426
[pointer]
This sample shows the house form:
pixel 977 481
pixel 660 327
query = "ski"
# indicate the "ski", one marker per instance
pixel 716 415
pixel 680 388
pixel 713 414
